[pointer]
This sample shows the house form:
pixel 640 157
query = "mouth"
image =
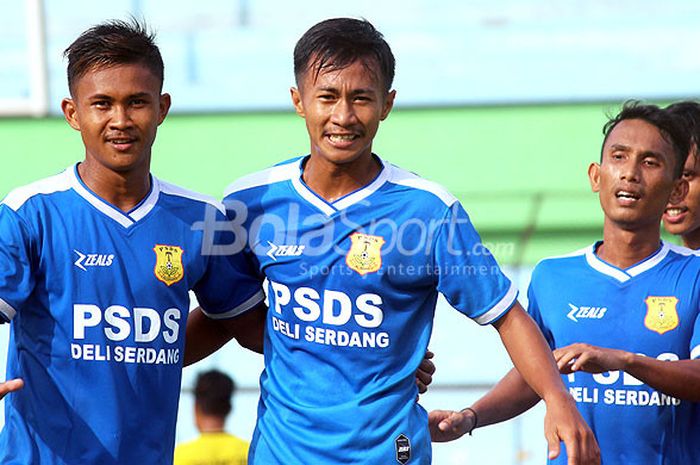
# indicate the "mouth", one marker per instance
pixel 675 214
pixel 626 197
pixel 342 140
pixel 121 144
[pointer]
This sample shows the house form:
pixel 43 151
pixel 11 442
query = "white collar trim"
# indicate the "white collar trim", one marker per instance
pixel 625 275
pixel 359 195
pixel 125 219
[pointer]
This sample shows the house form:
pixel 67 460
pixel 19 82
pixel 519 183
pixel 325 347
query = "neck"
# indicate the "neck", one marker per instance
pixel 210 424
pixel 332 181
pixel 624 248
pixel 692 239
pixel 124 190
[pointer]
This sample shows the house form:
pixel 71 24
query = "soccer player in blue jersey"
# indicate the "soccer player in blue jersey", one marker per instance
pixel 355 251
pixel 624 314
pixel 95 268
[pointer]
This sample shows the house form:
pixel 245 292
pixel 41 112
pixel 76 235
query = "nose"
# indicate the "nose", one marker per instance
pixel 343 113
pixel 120 117
pixel 631 171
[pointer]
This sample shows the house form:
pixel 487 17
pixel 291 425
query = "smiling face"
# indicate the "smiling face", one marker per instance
pixel 117 110
pixel 635 178
pixel 342 109
pixel 683 218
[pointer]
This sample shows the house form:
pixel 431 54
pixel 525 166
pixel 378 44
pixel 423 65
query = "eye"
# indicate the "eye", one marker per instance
pixel 688 174
pixel 651 162
pixel 101 104
pixel 326 97
pixel 138 102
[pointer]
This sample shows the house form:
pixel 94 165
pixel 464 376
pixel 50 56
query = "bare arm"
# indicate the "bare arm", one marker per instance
pixel 205 336
pixel 679 378
pixel 532 357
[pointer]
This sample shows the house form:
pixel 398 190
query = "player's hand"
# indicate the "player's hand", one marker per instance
pixel 424 375
pixel 448 425
pixel 591 359
pixel 563 422
pixel 10 386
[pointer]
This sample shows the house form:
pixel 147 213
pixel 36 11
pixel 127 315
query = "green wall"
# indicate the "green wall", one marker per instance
pixel 520 171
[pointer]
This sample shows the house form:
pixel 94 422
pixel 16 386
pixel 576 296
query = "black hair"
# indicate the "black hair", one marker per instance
pixel 671 127
pixel 111 43
pixel 337 43
pixel 688 111
pixel 213 392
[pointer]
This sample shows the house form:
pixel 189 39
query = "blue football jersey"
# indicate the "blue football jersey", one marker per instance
pixel 98 300
pixel 651 308
pixel 352 287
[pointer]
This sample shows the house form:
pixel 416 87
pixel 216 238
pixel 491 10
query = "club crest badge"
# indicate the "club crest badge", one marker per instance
pixel 365 254
pixel 169 268
pixel 661 315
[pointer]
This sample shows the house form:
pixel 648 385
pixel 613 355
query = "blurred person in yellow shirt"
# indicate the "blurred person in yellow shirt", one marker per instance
pixel 212 404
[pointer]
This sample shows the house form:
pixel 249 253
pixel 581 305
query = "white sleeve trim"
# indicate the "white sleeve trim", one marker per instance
pixel 695 353
pixel 7 310
pixel 242 308
pixel 500 308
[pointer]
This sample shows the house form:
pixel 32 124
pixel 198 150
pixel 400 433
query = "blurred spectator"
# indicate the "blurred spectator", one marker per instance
pixel 212 404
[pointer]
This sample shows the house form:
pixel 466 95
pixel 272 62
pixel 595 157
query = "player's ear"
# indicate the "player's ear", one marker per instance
pixel 164 105
pixel 594 176
pixel 680 190
pixel 388 104
pixel 296 100
pixel 69 112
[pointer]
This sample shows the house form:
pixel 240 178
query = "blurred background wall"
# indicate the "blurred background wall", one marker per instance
pixel 501 101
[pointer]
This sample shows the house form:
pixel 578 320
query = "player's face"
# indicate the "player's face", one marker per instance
pixel 684 217
pixel 117 110
pixel 635 177
pixel 342 109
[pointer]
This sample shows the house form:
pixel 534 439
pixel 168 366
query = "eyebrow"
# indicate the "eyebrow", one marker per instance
pixel 354 92
pixel 109 97
pixel 646 153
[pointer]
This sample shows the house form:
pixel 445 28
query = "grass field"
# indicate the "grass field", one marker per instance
pixel 520 171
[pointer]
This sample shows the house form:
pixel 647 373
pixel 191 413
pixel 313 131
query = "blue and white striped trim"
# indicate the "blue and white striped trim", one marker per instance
pixel 405 178
pixel 58 183
pixel 266 177
pixel 500 308
pixel 242 308
pixel 695 353
pixel 625 275
pixel 172 189
pixel 7 310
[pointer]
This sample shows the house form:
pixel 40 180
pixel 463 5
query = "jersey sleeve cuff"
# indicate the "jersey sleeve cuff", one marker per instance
pixel 7 312
pixel 500 308
pixel 695 353
pixel 242 308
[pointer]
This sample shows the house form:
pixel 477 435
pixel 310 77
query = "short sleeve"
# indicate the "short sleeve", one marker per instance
pixel 468 275
pixel 230 286
pixel 16 274
pixel 695 339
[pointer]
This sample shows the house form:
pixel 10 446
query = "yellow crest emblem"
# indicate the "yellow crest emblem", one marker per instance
pixel 661 314
pixel 365 254
pixel 169 268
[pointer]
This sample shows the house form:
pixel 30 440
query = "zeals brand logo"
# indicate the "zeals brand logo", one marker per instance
pixel 591 313
pixel 86 260
pixel 284 250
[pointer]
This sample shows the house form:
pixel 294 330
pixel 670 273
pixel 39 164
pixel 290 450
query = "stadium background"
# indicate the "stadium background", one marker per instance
pixel 501 101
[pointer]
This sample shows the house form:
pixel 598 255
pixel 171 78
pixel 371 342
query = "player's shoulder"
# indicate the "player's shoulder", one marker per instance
pixel 556 263
pixel 44 187
pixel 418 185
pixel 285 171
pixel 686 258
pixel 187 196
